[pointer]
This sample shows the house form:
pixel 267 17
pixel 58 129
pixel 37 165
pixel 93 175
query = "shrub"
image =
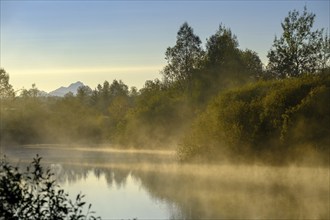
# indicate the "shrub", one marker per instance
pixel 261 119
pixel 34 194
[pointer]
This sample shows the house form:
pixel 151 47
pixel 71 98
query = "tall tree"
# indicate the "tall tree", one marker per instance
pixel 183 58
pixel 300 49
pixel 33 92
pixel 252 64
pixel 102 96
pixel 324 61
pixel 222 47
pixel 226 65
pixel 118 88
pixel 6 90
pixel 84 94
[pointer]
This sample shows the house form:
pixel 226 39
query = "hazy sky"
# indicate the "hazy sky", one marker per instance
pixel 55 43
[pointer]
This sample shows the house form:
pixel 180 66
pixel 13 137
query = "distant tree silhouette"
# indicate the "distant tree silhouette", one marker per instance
pixel 6 90
pixel 183 58
pixel 300 49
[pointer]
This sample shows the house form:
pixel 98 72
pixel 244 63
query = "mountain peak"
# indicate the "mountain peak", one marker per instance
pixel 77 83
pixel 73 87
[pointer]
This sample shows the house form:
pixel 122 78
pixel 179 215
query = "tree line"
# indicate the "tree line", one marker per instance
pixel 216 101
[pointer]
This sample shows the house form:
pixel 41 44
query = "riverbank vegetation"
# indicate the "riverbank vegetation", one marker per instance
pixel 214 103
pixel 271 120
pixel 34 194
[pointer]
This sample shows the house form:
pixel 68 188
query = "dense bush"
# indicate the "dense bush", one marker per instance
pixel 34 194
pixel 264 118
pixel 49 120
pixel 156 119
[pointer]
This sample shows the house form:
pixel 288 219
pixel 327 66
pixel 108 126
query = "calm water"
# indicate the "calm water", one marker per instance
pixel 152 185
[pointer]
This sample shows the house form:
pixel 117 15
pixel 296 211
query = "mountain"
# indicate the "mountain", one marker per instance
pixel 64 90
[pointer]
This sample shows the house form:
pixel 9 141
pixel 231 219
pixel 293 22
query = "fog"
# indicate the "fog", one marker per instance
pixel 218 136
pixel 198 190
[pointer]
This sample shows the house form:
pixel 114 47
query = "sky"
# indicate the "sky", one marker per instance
pixel 54 43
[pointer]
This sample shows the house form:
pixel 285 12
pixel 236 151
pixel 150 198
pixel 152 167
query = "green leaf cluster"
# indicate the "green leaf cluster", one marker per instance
pixel 263 118
pixel 300 50
pixel 34 194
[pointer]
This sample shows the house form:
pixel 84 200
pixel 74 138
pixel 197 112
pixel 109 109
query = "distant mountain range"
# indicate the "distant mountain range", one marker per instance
pixel 64 90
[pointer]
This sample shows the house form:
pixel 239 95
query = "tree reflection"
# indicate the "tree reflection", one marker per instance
pixel 194 191
pixel 193 194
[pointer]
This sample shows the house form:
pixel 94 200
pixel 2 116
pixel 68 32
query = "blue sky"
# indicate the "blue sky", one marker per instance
pixel 55 43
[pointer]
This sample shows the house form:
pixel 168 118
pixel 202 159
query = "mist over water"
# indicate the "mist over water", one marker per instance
pixel 231 138
pixel 148 184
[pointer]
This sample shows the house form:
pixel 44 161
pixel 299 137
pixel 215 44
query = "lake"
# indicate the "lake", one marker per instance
pixel 150 184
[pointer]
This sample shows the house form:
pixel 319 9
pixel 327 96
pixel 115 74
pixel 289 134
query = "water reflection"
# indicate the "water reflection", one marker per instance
pixel 122 198
pixel 221 196
pixel 152 185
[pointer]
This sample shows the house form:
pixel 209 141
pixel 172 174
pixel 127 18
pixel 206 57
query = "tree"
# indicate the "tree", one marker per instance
pixel 34 92
pixel 222 47
pixel 84 94
pixel 102 96
pixel 118 88
pixel 252 63
pixel 324 61
pixel 300 49
pixel 183 58
pixel 6 90
pixel 225 65
pixel 118 106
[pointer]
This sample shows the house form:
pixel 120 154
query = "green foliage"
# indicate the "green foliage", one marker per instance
pixel 299 50
pixel 245 119
pixel 72 120
pixel 222 47
pixel 34 194
pixel 102 96
pixel 49 120
pixel 156 119
pixel 6 90
pixel 267 117
pixel 90 116
pixel 22 118
pixel 83 94
pixel 183 58
pixel 252 64
pixel 224 66
pixel 34 92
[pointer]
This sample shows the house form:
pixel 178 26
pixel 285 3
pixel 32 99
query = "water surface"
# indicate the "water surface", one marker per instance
pixel 144 184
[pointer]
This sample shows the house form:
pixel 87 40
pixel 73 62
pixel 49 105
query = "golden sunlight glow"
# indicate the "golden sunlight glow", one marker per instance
pixel 118 69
